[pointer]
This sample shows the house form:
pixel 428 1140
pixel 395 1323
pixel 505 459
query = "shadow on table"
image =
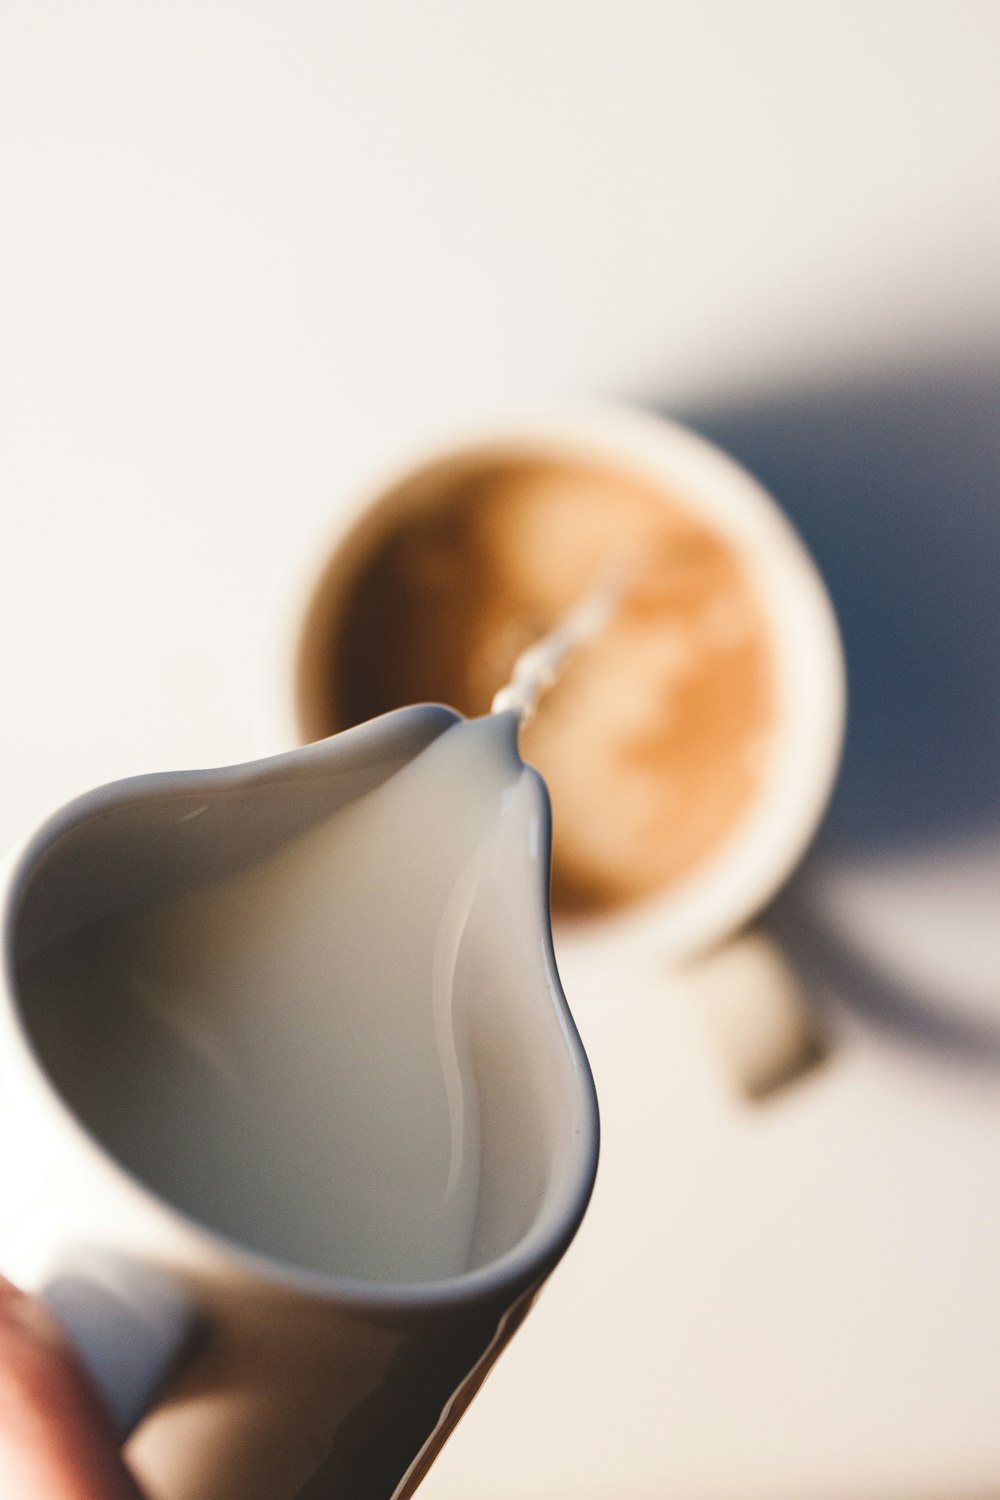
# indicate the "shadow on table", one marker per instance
pixel 894 482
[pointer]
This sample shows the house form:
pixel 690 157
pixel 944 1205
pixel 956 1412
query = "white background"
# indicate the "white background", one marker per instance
pixel 245 251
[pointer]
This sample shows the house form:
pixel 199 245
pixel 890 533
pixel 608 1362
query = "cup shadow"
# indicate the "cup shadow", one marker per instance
pixel 893 480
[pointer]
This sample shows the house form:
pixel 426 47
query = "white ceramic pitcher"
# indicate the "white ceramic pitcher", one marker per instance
pixel 265 1377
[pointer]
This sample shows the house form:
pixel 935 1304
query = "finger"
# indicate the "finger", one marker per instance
pixel 56 1440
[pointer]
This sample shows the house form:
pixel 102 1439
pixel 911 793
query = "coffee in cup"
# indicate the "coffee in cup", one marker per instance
pixel 655 738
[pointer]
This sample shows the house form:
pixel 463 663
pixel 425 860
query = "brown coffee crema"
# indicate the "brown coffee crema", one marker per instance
pixel 656 737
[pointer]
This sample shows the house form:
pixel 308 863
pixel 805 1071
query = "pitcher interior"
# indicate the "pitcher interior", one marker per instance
pixel 317 1016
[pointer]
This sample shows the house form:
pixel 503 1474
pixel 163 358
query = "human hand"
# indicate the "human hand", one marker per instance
pixel 56 1440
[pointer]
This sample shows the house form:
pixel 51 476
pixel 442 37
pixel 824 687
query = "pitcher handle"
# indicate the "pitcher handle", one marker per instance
pixel 131 1325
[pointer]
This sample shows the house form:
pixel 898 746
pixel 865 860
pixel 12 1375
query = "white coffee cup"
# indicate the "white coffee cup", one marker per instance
pixel 748 866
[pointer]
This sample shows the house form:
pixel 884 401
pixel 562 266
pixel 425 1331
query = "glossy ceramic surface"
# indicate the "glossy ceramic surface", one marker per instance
pixel 303 1384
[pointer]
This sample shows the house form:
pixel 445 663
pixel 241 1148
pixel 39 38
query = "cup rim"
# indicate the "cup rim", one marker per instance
pixel 747 868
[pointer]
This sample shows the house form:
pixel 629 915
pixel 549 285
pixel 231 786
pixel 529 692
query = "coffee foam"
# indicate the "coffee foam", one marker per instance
pixel 657 736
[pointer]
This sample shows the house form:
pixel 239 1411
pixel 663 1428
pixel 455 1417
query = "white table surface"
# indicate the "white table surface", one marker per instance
pixel 247 249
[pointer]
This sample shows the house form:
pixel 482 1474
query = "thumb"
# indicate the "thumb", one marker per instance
pixel 56 1440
